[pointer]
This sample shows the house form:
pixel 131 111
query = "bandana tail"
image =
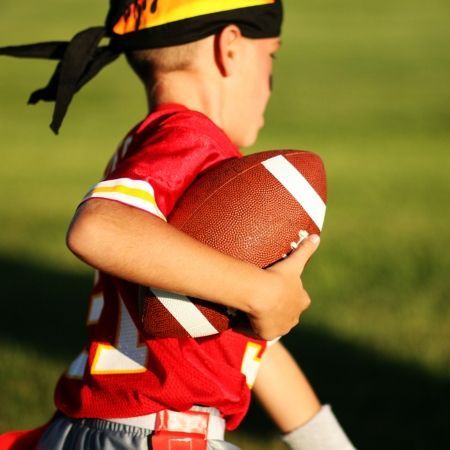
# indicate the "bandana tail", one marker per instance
pixel 80 60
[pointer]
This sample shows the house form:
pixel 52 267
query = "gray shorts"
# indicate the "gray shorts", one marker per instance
pixel 65 433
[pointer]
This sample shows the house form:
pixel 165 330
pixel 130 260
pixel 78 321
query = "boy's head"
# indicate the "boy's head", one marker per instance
pixel 215 57
pixel 227 76
pixel 167 36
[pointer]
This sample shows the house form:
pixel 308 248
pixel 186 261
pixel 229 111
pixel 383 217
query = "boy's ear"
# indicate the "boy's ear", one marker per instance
pixel 227 45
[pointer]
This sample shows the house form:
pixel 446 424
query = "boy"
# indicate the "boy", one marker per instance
pixel 206 67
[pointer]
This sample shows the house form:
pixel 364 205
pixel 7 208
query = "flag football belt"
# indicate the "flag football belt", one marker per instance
pixel 199 422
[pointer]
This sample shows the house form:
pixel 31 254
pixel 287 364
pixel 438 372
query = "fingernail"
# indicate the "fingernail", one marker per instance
pixel 314 238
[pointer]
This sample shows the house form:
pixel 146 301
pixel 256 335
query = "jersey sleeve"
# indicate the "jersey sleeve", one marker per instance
pixel 129 191
pixel 152 173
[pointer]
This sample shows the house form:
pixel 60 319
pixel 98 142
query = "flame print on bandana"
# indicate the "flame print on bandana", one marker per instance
pixel 143 14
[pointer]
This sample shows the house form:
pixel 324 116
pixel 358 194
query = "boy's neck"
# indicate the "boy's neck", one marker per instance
pixel 198 93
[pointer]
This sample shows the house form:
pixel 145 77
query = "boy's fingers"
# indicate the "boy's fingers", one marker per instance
pixel 304 251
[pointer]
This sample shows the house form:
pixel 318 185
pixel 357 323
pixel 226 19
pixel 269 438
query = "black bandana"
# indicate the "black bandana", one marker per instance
pixel 137 24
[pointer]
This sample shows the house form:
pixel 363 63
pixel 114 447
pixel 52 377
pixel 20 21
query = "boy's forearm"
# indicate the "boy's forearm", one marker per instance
pixel 141 248
pixel 136 246
pixel 283 390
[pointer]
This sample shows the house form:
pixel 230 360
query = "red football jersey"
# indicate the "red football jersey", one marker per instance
pixel 120 373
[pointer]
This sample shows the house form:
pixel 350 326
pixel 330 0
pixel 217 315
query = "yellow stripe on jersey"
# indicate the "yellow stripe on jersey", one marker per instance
pixel 137 193
pixel 173 10
pixel 133 192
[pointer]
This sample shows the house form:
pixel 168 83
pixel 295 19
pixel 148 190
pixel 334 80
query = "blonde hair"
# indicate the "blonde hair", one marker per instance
pixel 146 63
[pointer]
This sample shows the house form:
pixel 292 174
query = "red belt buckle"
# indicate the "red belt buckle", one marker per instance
pixel 180 430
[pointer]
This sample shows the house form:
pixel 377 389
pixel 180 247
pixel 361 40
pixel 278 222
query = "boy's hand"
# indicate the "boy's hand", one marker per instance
pixel 279 309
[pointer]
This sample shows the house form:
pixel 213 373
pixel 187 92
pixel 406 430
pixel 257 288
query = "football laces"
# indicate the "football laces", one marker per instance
pixel 302 235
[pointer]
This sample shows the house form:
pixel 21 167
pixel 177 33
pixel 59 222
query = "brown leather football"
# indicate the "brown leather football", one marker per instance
pixel 251 208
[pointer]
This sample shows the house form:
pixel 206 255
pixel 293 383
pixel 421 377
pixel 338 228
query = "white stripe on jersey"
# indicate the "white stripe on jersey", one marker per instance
pixel 137 193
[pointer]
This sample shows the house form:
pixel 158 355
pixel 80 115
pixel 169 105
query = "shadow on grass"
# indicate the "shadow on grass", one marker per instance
pixel 43 308
pixel 383 404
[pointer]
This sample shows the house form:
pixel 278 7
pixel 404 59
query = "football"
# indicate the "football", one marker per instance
pixel 252 208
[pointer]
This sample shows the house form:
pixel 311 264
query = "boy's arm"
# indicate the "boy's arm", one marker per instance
pixel 139 247
pixel 288 398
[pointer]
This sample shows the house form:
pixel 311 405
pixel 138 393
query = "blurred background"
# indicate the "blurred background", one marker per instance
pixel 364 84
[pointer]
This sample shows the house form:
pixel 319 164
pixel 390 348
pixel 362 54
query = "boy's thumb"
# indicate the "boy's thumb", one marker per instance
pixel 300 256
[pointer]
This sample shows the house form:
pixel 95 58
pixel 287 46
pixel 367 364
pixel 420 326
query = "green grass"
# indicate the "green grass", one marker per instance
pixel 363 84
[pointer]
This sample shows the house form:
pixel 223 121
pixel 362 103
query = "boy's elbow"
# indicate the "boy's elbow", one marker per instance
pixel 73 238
pixel 80 237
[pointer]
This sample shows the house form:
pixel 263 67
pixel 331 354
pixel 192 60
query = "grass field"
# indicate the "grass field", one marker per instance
pixel 366 85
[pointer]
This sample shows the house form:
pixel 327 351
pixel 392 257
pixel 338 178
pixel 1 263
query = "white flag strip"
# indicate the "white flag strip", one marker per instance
pixel 186 313
pixel 298 186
